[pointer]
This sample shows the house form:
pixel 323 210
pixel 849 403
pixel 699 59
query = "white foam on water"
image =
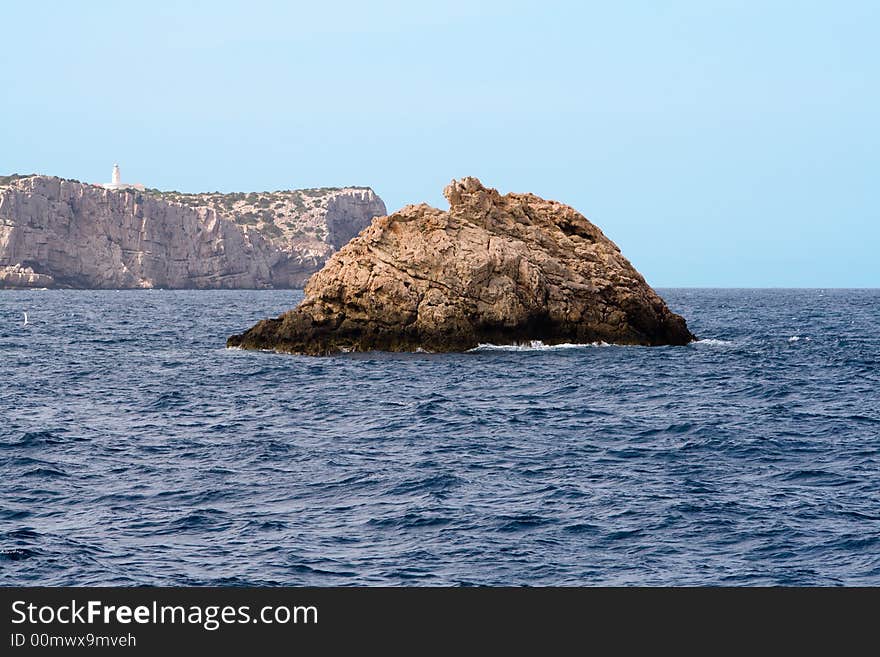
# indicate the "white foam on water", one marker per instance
pixel 535 345
pixel 710 342
pixel 797 338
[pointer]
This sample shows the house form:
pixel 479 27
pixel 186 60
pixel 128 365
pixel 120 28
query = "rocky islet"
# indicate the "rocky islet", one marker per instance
pixel 500 269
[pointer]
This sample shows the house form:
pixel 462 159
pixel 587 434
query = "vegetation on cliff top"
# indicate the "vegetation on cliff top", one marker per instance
pixel 11 178
pixel 293 215
pixel 289 216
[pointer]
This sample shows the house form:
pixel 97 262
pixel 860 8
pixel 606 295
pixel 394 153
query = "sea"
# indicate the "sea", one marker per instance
pixel 135 449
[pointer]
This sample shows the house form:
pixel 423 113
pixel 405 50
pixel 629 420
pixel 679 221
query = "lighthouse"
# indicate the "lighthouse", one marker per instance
pixel 116 182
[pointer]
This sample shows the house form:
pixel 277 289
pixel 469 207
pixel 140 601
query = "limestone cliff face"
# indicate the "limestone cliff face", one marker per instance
pixel 493 269
pixel 62 233
pixel 345 214
pixel 306 225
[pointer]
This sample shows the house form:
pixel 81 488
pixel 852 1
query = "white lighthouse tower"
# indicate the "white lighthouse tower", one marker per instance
pixel 116 182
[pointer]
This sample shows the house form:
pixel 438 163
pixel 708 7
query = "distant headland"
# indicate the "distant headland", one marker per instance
pixel 57 232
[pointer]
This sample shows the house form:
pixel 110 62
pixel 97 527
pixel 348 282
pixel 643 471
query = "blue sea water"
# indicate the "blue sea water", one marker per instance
pixel 135 449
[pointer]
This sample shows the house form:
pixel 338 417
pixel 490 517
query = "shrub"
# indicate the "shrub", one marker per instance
pixel 271 230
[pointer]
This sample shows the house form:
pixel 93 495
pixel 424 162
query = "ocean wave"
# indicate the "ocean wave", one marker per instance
pixel 37 439
pixel 466 467
pixel 712 342
pixel 797 338
pixel 16 554
pixel 535 345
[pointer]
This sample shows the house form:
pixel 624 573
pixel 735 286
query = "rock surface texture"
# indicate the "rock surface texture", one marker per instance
pixel 63 233
pixel 493 269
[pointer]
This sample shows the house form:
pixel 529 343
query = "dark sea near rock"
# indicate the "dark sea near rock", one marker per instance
pixel 136 449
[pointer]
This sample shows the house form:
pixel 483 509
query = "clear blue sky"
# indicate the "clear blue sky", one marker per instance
pixel 718 143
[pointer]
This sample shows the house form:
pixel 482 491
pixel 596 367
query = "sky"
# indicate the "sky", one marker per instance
pixel 718 143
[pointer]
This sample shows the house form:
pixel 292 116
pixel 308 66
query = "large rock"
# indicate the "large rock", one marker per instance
pixel 493 269
pixel 17 277
pixel 63 233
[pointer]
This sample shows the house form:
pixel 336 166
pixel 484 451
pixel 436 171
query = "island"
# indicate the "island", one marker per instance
pixel 496 269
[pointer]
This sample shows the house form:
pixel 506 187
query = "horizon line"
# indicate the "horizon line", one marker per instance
pixel 300 289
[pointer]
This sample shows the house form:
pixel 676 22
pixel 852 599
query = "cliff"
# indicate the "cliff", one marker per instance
pixel 493 269
pixel 63 233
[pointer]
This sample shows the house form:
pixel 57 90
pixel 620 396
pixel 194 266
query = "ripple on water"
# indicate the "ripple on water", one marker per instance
pixel 748 457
